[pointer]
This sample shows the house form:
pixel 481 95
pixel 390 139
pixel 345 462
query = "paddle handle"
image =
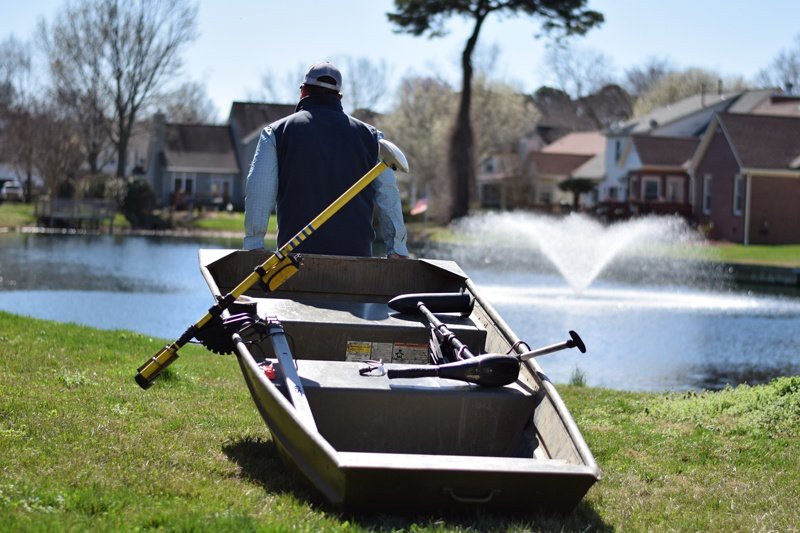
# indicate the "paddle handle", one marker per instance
pixel 413 372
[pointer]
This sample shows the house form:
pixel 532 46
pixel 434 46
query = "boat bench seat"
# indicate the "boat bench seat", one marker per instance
pixel 355 331
pixel 371 413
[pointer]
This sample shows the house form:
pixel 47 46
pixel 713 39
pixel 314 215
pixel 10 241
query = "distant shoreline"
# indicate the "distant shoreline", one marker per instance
pixel 741 272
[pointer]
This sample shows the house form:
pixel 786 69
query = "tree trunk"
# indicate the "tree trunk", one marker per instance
pixel 461 157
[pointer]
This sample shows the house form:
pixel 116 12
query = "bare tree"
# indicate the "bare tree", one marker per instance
pixel 502 115
pixel 578 71
pixel 56 147
pixel 188 104
pixel 639 80
pixel 365 83
pixel 277 88
pixel 784 71
pixel 16 108
pixel 115 56
pixel 419 123
pixel 15 67
pixel 75 58
pixel 682 84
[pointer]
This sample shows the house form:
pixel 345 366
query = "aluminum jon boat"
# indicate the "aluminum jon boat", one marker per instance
pixel 317 355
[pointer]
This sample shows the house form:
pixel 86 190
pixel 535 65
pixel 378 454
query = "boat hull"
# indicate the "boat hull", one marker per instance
pixel 377 443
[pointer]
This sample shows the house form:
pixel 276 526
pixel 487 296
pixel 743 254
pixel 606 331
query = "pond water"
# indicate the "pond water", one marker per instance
pixel 640 335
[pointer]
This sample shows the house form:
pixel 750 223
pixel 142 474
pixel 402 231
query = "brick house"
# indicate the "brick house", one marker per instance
pixel 746 179
pixel 658 179
pixel 686 118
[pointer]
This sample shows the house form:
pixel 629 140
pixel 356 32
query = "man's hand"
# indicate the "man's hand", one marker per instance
pixel 397 256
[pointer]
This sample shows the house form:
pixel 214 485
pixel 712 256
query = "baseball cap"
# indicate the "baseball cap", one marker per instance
pixel 324 70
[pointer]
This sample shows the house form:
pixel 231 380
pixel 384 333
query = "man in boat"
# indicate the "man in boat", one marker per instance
pixel 305 161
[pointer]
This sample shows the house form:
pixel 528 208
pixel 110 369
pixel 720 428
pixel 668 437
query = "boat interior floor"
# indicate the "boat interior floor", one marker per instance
pixel 370 413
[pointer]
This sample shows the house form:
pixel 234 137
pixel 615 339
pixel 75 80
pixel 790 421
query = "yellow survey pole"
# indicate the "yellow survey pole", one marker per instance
pixel 268 271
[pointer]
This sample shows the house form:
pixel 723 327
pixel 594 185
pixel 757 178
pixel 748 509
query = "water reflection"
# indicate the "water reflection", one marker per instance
pixel 647 337
pixel 641 336
pixel 147 284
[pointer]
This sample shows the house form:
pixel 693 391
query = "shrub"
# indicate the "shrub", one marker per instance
pixel 138 206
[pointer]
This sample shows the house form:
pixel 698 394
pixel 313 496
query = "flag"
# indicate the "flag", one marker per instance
pixel 420 207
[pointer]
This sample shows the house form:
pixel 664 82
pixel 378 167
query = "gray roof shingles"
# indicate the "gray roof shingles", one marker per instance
pixel 204 148
pixel 763 141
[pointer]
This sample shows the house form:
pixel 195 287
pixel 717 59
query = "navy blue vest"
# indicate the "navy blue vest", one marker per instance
pixel 322 151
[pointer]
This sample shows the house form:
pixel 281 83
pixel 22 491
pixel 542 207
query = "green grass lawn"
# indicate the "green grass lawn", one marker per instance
pixel 84 448
pixel 15 214
pixel 778 255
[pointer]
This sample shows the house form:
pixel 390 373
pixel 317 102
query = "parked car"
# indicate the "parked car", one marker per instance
pixel 11 191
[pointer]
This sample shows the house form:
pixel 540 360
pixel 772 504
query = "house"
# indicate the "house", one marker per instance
pixel 192 165
pixel 658 179
pixel 746 179
pixel 547 170
pixel 247 120
pixel 686 118
pixel 507 180
pixel 594 170
pixel 499 181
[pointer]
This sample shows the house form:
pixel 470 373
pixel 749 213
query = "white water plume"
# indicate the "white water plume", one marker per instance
pixel 578 246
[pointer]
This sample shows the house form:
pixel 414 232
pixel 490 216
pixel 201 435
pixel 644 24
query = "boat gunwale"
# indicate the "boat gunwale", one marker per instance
pixel 550 390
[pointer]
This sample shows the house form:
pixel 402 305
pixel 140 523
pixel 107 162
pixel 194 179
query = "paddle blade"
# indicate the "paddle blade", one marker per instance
pixel 445 302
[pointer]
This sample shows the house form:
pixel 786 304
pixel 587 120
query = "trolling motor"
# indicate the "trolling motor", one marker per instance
pixel 487 370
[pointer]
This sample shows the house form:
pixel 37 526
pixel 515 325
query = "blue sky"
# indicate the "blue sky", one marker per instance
pixel 241 40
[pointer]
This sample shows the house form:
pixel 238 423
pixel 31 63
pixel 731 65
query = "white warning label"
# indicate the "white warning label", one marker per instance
pixel 408 353
pixel 398 352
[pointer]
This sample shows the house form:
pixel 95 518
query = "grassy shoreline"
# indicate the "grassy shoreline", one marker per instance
pixel 212 223
pixel 85 449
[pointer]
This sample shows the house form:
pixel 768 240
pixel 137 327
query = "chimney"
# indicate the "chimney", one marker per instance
pixel 157 140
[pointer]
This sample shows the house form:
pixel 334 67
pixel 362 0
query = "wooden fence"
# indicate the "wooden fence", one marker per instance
pixel 79 214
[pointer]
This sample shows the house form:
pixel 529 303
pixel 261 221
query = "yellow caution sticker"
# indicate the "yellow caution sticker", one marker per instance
pixel 358 351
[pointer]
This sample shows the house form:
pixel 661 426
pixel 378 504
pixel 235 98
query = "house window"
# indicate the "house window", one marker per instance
pixel 738 195
pixel 183 182
pixel 612 193
pixel 675 190
pixel 651 188
pixel 707 194
pixel 492 196
pixel 220 189
pixel 617 150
